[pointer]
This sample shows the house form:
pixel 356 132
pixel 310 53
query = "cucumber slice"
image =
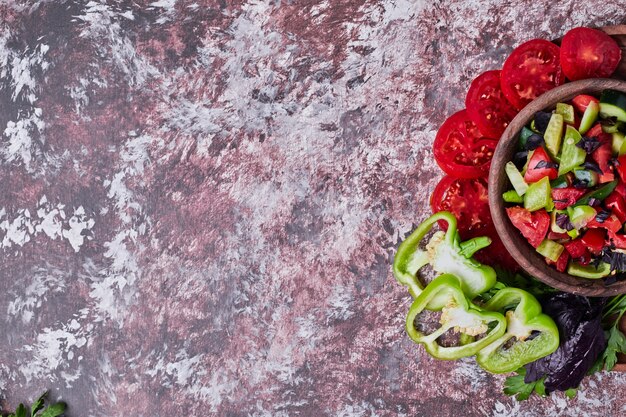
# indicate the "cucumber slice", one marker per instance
pixel 587 177
pixel 606 128
pixel 589 271
pixel 589 117
pixel 523 136
pixel 567 111
pixel 574 233
pixel 617 143
pixel 579 216
pixel 554 135
pixel 550 249
pixel 571 155
pixel 560 182
pixel 512 196
pixel 553 226
pixel 516 178
pixel 539 196
pixel 613 104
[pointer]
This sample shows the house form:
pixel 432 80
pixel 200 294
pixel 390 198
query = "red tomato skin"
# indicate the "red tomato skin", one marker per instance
pixel 594 240
pixel 565 197
pixel 621 188
pixel 533 226
pixel 460 150
pixel 487 106
pixel 615 202
pixel 467 199
pixel 557 236
pixel 581 102
pixel 535 174
pixel 611 224
pixel 561 263
pixel 576 248
pixel 603 156
pixel 617 240
pixel 621 170
pixel 532 69
pixel 588 53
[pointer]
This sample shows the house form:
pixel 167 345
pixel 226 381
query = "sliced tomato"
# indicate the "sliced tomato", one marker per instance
pixel 467 199
pixel 460 149
pixel 581 102
pixel 534 226
pixel 594 240
pixel 576 248
pixel 565 197
pixel 611 224
pixel 589 53
pixel 534 172
pixel 557 236
pixel 532 69
pixel 621 187
pixel 615 202
pixel 561 263
pixel 596 131
pixel 487 106
pixel 603 155
pixel 617 240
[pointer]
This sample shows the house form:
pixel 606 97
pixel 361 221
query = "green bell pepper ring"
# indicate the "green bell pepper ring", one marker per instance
pixel 536 333
pixel 446 254
pixel 458 314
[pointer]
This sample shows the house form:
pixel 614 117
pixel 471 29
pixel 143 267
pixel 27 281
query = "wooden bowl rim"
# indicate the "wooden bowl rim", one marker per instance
pixel 518 247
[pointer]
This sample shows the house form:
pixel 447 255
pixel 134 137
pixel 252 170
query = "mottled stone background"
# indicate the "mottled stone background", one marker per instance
pixel 200 201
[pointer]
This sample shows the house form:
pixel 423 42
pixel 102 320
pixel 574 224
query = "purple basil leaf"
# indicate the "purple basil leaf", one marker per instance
pixel 593 202
pixel 592 166
pixel 562 220
pixel 602 216
pixel 582 341
pixel 545 164
pixel 617 260
pixel 542 119
pixel 534 141
pixel 588 144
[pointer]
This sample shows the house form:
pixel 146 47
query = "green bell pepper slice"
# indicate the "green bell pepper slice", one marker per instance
pixel 458 314
pixel 536 335
pixel 446 254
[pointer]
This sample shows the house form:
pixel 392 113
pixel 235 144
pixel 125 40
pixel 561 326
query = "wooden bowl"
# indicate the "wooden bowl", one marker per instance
pixel 516 244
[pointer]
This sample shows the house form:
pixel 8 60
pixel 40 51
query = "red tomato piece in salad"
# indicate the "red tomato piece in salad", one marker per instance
pixel 611 224
pixel 565 197
pixel 617 240
pixel 594 240
pixel 561 263
pixel 603 154
pixel 581 102
pixel 487 106
pixel 539 166
pixel 620 167
pixel 616 203
pixel 461 150
pixel 534 226
pixel 467 199
pixel 576 248
pixel 532 69
pixel 588 53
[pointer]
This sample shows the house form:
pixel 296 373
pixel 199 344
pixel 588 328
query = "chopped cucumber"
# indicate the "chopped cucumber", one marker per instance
pixel 589 117
pixel 560 182
pixel 589 271
pixel 617 143
pixel 567 111
pixel 523 136
pixel 571 155
pixel 550 249
pixel 599 194
pixel 553 226
pixel 579 216
pixel 528 157
pixel 585 176
pixel 612 128
pixel 574 233
pixel 516 178
pixel 539 196
pixel 613 104
pixel 512 196
pixel 554 135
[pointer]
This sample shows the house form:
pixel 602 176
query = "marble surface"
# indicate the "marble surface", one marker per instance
pixel 200 201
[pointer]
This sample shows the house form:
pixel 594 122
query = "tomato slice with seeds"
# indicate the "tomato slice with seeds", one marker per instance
pixel 588 53
pixel 487 106
pixel 460 149
pixel 532 69
pixel 533 226
pixel 467 199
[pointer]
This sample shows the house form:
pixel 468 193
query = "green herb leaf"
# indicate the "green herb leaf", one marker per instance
pixel 515 385
pixel 571 393
pixel 616 343
pixel 20 411
pixel 54 410
pixel 38 404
